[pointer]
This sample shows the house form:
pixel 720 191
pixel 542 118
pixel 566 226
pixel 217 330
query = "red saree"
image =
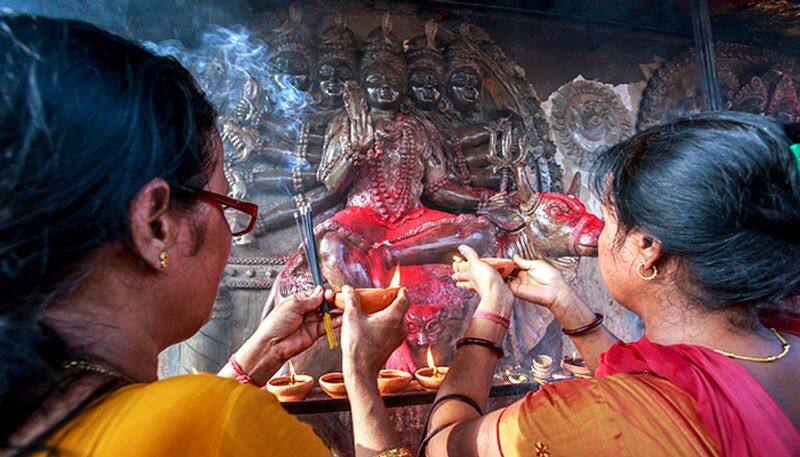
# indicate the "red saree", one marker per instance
pixel 739 414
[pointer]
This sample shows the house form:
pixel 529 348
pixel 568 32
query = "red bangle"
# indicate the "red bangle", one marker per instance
pixel 494 317
pixel 242 377
pixel 598 319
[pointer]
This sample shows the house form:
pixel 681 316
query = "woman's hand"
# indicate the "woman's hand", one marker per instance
pixel 289 329
pixel 296 323
pixel 477 275
pixel 368 341
pixel 539 282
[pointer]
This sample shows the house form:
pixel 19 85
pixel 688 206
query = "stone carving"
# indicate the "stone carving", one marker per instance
pixel 451 146
pixel 750 79
pixel 587 116
pixel 252 272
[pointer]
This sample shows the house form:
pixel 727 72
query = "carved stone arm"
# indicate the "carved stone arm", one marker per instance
pixel 282 180
pixel 280 216
pixel 445 193
pixel 471 135
pixel 339 161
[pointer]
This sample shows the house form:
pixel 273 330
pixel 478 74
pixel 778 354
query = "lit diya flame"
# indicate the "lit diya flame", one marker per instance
pixel 395 278
pixel 294 387
pixel 432 376
pixel 432 363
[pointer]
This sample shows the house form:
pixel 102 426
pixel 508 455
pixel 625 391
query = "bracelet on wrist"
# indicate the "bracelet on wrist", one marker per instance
pixel 598 319
pixel 491 345
pixel 492 316
pixel 241 376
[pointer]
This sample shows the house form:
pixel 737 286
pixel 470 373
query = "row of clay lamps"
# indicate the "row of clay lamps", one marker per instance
pixel 297 387
pixel 542 367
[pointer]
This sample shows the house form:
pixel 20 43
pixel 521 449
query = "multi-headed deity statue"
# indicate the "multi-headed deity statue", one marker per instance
pixel 385 160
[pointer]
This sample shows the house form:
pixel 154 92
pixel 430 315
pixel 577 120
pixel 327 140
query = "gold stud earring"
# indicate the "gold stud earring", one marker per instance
pixel 647 278
pixel 163 258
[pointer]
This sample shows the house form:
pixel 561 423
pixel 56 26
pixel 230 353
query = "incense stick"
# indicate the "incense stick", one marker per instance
pixel 305 225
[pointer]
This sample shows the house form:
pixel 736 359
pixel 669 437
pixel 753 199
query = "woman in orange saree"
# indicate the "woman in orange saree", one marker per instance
pixel 702 236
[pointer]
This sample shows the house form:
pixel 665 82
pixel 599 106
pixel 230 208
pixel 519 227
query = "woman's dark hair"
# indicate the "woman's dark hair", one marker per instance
pixel 721 192
pixel 86 119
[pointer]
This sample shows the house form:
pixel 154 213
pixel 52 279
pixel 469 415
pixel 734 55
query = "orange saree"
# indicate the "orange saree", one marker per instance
pixel 738 413
pixel 650 399
pixel 620 415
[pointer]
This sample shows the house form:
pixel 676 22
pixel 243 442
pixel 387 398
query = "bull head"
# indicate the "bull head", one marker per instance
pixel 555 225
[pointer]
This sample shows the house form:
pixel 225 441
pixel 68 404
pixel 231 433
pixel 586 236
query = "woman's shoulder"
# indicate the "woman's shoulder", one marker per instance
pixel 615 388
pixel 625 414
pixel 205 388
pixel 187 415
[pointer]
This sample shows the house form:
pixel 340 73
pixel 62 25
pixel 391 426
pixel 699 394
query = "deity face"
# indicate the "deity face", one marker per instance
pixel 464 88
pixel 385 88
pixel 290 68
pixel 425 87
pixel 332 76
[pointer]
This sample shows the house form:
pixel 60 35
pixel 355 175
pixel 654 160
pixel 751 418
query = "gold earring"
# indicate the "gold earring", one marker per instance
pixel 647 278
pixel 163 258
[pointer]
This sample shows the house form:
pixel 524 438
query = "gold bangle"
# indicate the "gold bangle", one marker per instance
pixel 396 452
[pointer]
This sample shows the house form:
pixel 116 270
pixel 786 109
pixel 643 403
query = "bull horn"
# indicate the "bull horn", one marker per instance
pixel 527 192
pixel 575 185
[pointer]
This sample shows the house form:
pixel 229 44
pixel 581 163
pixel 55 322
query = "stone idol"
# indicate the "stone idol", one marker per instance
pixel 407 136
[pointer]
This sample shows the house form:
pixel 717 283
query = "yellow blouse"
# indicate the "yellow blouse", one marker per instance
pixel 188 415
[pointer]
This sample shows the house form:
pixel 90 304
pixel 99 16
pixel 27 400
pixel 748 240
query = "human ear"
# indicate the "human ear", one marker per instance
pixel 153 228
pixel 648 249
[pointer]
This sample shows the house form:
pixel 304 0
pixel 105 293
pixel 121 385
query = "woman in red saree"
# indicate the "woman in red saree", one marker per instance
pixel 702 237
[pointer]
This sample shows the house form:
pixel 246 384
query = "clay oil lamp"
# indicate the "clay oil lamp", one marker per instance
pixel 575 365
pixel 393 381
pixel 373 299
pixel 431 377
pixel 506 267
pixel 294 387
pixel 542 366
pixel 333 385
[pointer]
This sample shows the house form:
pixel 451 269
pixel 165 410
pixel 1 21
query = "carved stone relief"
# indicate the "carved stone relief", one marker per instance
pixel 750 79
pixel 587 116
